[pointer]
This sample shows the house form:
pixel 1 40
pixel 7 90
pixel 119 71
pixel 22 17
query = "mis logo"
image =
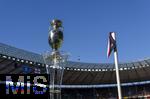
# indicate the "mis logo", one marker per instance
pixel 26 84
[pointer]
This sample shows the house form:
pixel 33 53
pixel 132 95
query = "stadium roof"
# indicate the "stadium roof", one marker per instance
pixel 76 72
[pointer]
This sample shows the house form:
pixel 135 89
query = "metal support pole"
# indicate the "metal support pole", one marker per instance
pixel 117 74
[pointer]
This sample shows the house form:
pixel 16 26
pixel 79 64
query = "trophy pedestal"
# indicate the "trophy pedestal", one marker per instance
pixel 55 67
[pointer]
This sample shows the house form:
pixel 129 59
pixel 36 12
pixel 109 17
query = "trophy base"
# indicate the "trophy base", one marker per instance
pixel 56 62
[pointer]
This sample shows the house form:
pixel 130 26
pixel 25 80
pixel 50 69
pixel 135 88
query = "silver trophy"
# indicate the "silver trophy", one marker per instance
pixel 55 60
pixel 56 35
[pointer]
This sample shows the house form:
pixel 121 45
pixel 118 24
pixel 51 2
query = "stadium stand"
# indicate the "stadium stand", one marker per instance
pixel 83 80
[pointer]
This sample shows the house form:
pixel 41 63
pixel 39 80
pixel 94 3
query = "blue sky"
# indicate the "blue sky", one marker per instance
pixel 24 24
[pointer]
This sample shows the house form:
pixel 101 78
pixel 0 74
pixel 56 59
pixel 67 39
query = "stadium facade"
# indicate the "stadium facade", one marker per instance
pixel 82 80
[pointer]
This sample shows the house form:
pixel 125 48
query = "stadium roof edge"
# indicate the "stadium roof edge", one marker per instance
pixel 34 57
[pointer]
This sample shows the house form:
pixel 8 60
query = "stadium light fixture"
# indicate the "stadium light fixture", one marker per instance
pixel 128 68
pixel 67 68
pixel 18 60
pixel 125 68
pixel 133 67
pixel 27 61
pixel 147 65
pixel 31 62
pixel 22 61
pixel 9 57
pixel 4 56
pixel 121 69
pixel 75 69
pixel 143 65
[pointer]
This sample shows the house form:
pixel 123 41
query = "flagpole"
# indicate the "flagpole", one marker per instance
pixel 117 74
pixel 117 70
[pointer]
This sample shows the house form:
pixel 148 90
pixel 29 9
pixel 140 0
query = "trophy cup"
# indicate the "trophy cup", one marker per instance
pixel 55 60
